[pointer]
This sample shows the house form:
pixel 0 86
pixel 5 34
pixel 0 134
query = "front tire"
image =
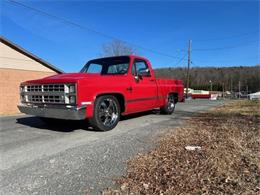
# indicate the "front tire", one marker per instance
pixel 106 113
pixel 169 107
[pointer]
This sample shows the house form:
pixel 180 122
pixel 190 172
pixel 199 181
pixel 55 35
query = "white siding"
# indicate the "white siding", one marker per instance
pixel 12 59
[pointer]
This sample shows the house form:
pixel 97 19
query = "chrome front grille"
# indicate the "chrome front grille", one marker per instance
pixel 46 99
pixel 32 88
pixel 53 87
pixel 53 99
pixel 35 98
pixel 48 94
pixel 45 88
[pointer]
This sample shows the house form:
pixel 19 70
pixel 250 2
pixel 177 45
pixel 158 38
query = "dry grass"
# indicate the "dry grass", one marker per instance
pixel 228 163
pixel 242 107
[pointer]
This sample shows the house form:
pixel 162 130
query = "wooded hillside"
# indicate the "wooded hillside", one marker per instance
pixel 200 77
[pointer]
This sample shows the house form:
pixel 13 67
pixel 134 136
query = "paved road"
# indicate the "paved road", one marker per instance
pixel 70 158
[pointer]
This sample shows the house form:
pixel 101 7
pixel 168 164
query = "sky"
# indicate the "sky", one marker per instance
pixel 223 33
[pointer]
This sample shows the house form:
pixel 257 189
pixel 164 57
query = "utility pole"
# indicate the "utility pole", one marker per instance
pixel 223 90
pixel 231 87
pixel 188 69
pixel 239 86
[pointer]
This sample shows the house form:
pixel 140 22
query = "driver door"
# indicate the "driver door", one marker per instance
pixel 144 88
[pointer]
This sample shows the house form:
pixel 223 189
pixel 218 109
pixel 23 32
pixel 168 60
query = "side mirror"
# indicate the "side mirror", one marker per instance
pixel 138 77
pixel 144 72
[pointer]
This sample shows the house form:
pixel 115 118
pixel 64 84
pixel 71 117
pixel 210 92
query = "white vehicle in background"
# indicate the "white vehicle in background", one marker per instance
pixel 254 96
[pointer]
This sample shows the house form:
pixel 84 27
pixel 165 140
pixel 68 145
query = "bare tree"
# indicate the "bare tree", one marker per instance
pixel 117 48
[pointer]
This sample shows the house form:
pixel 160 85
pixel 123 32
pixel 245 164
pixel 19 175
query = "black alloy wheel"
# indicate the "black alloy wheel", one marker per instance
pixel 106 113
pixel 169 107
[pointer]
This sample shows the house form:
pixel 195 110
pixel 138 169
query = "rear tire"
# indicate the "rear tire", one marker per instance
pixel 170 105
pixel 106 113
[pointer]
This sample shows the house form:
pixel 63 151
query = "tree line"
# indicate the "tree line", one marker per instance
pixel 227 78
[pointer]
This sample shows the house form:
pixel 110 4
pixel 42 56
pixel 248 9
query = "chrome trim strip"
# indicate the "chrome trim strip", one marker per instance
pixel 146 99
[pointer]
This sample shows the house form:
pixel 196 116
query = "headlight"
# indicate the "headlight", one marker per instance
pixel 70 93
pixel 22 88
pixel 72 89
pixel 72 99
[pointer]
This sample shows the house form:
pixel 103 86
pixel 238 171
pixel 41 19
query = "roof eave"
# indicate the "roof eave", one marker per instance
pixel 30 55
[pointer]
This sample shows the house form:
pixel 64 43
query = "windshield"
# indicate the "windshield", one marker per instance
pixel 107 66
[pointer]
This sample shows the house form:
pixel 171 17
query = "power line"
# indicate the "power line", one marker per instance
pixel 228 37
pixel 181 59
pixel 228 47
pixel 90 29
pixel 223 62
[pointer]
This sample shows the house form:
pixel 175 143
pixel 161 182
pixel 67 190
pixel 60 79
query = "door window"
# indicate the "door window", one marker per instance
pixel 140 67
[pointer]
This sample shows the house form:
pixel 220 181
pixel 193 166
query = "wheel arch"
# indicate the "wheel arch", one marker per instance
pixel 120 97
pixel 176 96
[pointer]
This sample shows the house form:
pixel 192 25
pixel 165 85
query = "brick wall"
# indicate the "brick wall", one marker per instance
pixel 10 80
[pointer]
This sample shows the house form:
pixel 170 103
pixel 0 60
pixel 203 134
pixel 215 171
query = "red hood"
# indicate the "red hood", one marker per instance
pixel 64 78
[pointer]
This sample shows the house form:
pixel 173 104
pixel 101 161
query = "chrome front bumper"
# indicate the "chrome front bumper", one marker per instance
pixel 74 113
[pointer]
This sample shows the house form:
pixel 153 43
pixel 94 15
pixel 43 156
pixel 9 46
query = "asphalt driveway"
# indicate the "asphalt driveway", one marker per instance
pixel 70 158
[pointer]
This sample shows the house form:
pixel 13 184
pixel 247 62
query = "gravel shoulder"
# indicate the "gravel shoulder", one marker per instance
pixel 70 158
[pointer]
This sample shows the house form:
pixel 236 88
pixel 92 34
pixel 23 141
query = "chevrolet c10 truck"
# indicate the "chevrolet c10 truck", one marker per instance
pixel 101 92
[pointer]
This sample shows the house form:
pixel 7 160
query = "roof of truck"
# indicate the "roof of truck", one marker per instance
pixel 130 56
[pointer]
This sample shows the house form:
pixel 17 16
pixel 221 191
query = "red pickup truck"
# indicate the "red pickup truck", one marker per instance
pixel 102 91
